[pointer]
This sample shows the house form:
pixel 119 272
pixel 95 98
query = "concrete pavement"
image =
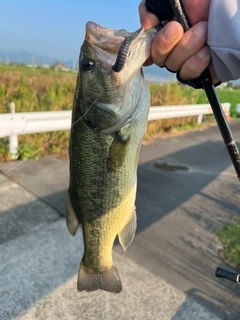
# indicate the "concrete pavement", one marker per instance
pixel 38 273
pixel 167 272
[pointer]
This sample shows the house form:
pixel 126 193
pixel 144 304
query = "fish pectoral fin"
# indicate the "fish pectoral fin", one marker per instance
pixel 71 218
pixel 127 234
pixel 107 280
pixel 117 152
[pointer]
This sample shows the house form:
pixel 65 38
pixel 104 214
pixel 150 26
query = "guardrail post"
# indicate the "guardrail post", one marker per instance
pixel 238 108
pixel 13 138
pixel 226 108
pixel 199 119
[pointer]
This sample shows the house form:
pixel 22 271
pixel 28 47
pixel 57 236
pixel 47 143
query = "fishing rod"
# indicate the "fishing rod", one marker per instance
pixel 165 10
pixel 232 276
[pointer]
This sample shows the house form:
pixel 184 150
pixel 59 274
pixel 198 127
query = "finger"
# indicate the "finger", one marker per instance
pixel 186 72
pixel 195 65
pixel 191 42
pixel 165 41
pixel 147 19
pixel 197 10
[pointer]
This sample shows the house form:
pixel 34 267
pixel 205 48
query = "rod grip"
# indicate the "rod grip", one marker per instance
pixel 232 276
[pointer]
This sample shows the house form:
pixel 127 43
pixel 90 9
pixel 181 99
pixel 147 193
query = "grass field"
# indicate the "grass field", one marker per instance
pixel 225 95
pixel 48 90
pixel 230 238
pixel 34 71
pixel 35 89
pixel 41 89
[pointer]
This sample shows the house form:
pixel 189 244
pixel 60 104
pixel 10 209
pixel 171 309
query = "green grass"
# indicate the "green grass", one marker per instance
pixel 36 90
pixel 225 95
pixel 34 71
pixel 172 94
pixel 230 238
pixel 49 90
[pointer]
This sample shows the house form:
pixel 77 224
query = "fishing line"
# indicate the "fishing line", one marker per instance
pixel 4 174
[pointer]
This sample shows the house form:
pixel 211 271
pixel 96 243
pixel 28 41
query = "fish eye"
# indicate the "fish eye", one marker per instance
pixel 87 64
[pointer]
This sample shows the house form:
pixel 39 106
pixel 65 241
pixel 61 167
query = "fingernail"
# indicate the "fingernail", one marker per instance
pixel 201 29
pixel 204 53
pixel 170 33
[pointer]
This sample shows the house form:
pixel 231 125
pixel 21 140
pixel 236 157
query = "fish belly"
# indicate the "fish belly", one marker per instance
pixel 101 197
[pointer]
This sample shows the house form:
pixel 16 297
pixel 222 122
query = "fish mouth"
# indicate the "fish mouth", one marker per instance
pixel 107 39
pixel 135 47
pixel 120 53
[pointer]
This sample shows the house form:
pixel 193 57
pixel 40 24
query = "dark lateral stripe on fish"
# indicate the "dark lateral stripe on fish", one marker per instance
pixel 124 51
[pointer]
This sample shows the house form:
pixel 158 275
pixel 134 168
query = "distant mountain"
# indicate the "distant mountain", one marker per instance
pixel 152 73
pixel 23 56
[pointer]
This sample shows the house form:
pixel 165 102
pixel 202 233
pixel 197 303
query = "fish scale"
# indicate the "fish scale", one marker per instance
pixel 110 114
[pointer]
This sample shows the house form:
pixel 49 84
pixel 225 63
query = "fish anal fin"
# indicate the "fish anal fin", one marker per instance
pixel 127 234
pixel 71 218
pixel 107 280
pixel 117 152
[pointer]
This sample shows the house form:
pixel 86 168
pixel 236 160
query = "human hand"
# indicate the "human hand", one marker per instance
pixel 186 52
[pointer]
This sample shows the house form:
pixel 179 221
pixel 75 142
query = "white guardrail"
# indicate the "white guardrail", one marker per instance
pixel 14 124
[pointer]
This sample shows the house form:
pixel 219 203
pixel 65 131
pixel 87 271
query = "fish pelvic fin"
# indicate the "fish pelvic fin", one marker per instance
pixel 117 152
pixel 127 234
pixel 71 218
pixel 107 280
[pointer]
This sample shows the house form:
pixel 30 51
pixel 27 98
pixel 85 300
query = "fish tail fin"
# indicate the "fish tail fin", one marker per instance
pixel 107 280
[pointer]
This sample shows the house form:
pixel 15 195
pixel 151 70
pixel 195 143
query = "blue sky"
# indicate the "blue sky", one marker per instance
pixel 55 28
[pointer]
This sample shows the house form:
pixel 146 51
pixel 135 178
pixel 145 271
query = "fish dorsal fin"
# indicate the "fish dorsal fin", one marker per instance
pixel 127 234
pixel 71 217
pixel 117 151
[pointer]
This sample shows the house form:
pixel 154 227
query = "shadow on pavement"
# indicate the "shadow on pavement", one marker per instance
pixel 194 296
pixel 177 215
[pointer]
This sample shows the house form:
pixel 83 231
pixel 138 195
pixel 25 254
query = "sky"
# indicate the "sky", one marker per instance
pixel 56 28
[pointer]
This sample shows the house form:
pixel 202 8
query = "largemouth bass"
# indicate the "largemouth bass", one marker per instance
pixel 109 117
